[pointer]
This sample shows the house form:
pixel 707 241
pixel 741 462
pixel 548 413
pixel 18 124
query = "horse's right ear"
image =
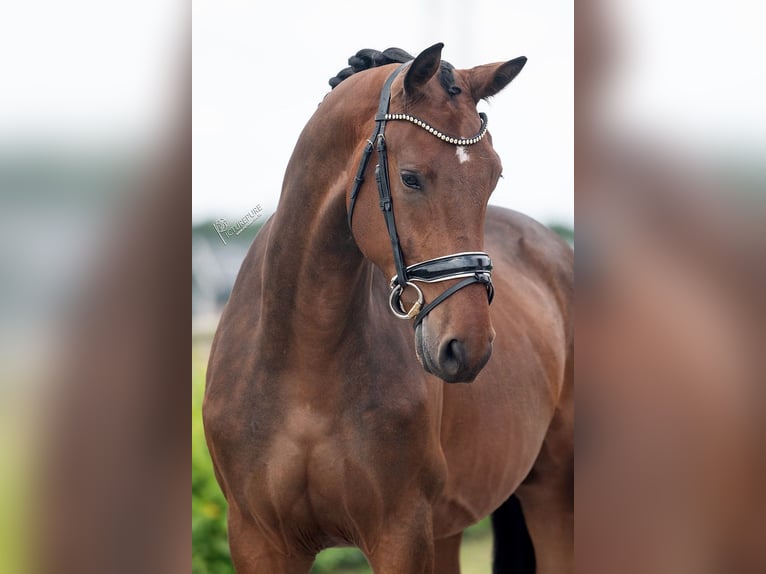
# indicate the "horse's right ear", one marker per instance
pixel 423 68
pixel 489 79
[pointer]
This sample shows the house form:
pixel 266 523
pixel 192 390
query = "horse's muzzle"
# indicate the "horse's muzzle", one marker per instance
pixel 451 359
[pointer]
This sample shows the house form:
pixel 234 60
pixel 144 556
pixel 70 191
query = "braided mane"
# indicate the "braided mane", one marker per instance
pixel 368 58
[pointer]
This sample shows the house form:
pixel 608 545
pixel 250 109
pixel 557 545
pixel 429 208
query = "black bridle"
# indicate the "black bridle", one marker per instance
pixel 471 267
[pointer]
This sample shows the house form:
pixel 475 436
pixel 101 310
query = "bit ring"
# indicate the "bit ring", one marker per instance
pixel 395 302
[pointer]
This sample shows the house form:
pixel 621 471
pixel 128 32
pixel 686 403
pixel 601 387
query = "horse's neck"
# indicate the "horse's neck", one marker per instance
pixel 315 277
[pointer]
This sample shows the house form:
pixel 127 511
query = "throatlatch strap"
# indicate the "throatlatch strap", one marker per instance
pixel 359 179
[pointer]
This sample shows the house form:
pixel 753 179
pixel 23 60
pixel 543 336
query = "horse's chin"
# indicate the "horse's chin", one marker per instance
pixel 425 356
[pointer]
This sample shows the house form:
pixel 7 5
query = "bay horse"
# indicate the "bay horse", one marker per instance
pixel 328 420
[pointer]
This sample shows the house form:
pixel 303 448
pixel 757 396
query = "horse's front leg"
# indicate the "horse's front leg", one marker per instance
pixel 447 554
pixel 252 553
pixel 406 545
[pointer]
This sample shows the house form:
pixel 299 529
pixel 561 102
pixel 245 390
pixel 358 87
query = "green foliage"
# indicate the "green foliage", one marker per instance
pixel 210 549
pixel 564 231
pixel 481 529
pixel 341 561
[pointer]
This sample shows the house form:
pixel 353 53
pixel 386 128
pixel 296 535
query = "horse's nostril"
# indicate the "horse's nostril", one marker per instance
pixel 452 356
pixel 457 350
pixel 455 362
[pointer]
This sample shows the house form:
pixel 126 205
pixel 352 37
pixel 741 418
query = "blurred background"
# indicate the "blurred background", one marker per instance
pixel 90 104
pixel 670 182
pixel 95 180
pixel 87 99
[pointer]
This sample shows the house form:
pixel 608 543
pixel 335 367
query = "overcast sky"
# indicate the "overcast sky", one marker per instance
pixel 260 73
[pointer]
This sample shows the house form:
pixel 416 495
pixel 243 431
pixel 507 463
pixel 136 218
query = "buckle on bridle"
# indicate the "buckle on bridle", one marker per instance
pixel 395 301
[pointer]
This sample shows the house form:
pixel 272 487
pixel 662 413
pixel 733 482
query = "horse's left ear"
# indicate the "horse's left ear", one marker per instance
pixel 489 79
pixel 423 68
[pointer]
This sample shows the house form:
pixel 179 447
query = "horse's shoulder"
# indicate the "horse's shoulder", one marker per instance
pixel 528 244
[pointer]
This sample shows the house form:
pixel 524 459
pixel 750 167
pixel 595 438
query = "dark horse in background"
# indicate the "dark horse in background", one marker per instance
pixel 328 419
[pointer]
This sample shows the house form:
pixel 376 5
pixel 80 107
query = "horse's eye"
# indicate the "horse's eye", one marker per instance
pixel 411 180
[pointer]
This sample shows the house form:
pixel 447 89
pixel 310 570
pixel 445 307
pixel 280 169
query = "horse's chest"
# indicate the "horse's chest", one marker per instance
pixel 334 470
pixel 321 444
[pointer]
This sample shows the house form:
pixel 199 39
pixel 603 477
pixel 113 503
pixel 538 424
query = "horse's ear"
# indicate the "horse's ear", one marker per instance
pixel 423 68
pixel 489 79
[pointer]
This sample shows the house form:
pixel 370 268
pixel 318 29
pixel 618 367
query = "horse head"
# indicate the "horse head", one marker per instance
pixel 434 175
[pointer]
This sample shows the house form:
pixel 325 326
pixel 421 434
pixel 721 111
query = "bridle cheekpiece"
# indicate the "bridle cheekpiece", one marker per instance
pixel 471 267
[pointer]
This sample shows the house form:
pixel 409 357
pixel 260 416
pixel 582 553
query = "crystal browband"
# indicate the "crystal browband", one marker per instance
pixel 432 130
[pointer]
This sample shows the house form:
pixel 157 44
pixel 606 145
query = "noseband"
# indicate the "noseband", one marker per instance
pixel 471 267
